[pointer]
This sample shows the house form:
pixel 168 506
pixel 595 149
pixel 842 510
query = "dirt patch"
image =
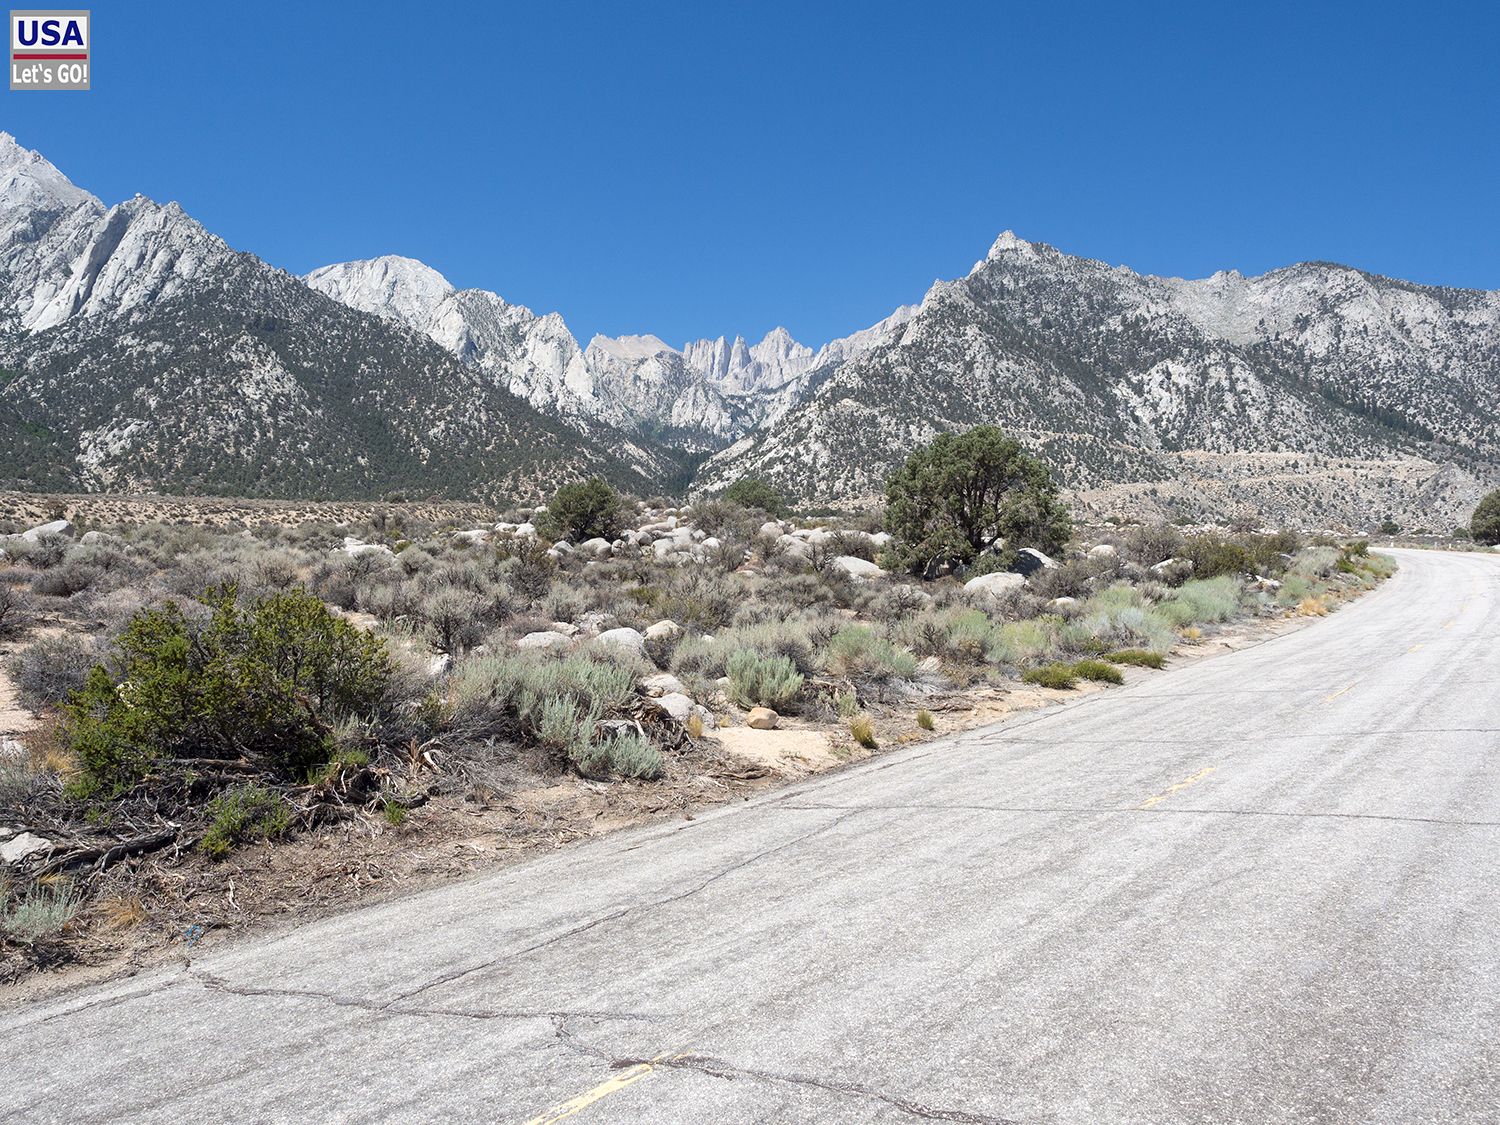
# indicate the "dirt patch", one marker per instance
pixel 787 753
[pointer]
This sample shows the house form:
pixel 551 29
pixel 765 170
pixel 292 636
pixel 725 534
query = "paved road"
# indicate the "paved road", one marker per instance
pixel 1263 887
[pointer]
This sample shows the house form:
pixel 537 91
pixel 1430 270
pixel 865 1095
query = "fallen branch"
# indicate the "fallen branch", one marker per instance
pixel 102 855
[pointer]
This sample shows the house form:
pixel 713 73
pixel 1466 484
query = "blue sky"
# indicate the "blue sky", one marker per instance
pixel 704 168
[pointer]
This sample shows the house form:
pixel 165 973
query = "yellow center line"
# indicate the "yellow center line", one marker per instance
pixel 1341 691
pixel 626 1077
pixel 1415 647
pixel 1197 777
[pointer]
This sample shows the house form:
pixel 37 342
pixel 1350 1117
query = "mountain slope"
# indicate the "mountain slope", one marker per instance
pixel 140 352
pixel 1120 379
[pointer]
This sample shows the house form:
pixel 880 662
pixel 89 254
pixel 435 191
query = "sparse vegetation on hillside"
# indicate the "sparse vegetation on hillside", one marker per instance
pixel 757 493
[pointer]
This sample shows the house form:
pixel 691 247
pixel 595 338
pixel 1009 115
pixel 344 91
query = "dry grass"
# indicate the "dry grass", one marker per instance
pixel 123 912
pixel 1312 607
pixel 47 751
pixel 925 720
pixel 1191 634
pixel 862 730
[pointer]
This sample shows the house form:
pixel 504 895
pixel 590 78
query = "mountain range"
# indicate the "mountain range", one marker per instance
pixel 139 352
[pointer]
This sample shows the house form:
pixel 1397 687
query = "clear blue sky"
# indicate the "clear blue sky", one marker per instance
pixel 703 168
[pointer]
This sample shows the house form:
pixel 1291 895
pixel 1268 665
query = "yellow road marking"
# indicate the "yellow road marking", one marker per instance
pixel 1415 647
pixel 1197 777
pixel 626 1077
pixel 1341 691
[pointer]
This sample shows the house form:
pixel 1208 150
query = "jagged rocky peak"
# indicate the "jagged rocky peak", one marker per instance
pixel 390 286
pixel 29 180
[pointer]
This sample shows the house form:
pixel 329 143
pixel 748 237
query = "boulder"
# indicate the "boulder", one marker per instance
pixel 857 568
pixel 566 628
pixel 439 666
pixel 1173 571
pixel 882 540
pixel 1029 560
pixel 17 848
pixel 596 621
pixel 1103 551
pixel 353 546
pixel 596 548
pixel 792 545
pixel 995 585
pixel 544 639
pixel 478 535
pixel 525 530
pixel 769 530
pixel 56 527
pixel 762 718
pixel 1064 603
pixel 682 708
pixel 625 638
pixel 663 683
pixel 661 629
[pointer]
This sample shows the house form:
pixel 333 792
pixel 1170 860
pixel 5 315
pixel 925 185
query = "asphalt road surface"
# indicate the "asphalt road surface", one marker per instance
pixel 1263 887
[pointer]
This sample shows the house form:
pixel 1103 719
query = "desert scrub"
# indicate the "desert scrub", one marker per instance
pixel 1099 671
pixel 263 684
pixel 1021 643
pixel 42 913
pixel 862 730
pixel 1059 676
pixel 17 610
pixel 860 653
pixel 762 681
pixel 1139 657
pixel 925 720
pixel 51 669
pixel 1202 601
pixel 628 754
pixel 243 813
pixel 710 658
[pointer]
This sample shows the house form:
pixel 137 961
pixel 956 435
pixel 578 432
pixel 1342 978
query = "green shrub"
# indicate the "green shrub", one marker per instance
pixel 632 755
pixel 1059 676
pixel 858 652
pixel 925 720
pixel 585 510
pixel 265 683
pixel 243 813
pixel 956 497
pixel 762 681
pixel 41 914
pixel 1099 671
pixel 1140 658
pixel 756 492
pixel 1484 525
pixel 1202 601
pixel 1214 555
pixel 1019 643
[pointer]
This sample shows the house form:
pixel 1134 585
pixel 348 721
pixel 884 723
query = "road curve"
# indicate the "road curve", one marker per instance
pixel 1260 888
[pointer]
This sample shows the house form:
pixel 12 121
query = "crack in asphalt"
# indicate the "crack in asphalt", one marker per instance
pixel 634 908
pixel 1155 811
pixel 394 1007
pixel 719 1068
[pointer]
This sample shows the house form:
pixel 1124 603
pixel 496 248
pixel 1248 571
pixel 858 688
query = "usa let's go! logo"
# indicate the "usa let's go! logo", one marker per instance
pixel 49 50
